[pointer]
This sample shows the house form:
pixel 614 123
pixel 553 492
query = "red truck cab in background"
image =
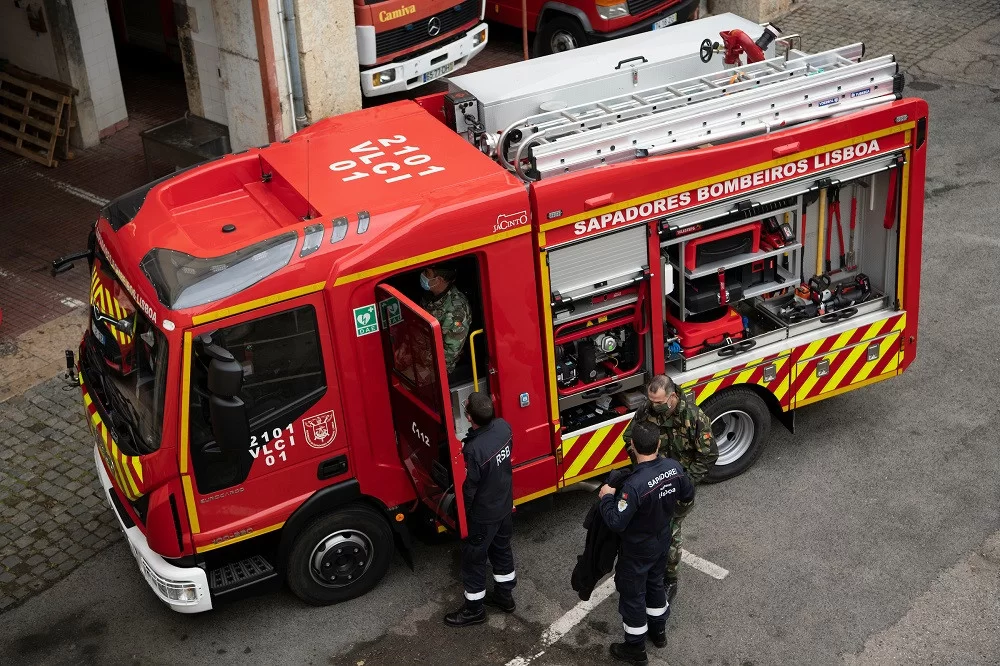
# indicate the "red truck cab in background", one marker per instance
pixel 403 44
pixel 570 24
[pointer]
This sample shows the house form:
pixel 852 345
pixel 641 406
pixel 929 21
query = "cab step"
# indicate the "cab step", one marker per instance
pixel 237 575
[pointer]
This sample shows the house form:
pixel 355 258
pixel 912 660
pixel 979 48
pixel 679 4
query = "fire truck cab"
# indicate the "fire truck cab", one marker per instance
pixel 269 393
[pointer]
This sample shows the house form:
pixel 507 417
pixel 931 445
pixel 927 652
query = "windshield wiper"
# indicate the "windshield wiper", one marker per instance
pixel 123 325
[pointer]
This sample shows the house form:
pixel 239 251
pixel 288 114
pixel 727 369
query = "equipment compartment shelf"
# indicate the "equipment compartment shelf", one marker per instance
pixel 756 290
pixel 738 260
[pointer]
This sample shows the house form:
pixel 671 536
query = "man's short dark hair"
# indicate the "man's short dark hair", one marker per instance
pixel 480 408
pixel 445 272
pixel 645 438
pixel 661 383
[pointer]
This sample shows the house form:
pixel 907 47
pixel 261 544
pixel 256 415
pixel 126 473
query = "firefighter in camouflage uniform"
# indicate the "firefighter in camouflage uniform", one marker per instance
pixel 686 436
pixel 450 307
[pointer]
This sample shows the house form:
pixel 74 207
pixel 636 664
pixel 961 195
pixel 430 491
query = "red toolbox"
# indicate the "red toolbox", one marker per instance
pixel 715 247
pixel 706 331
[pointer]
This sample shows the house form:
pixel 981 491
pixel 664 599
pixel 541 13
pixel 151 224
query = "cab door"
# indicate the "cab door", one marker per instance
pixel 421 405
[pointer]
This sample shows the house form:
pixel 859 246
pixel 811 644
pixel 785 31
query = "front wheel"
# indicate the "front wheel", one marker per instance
pixel 339 556
pixel 558 34
pixel 740 424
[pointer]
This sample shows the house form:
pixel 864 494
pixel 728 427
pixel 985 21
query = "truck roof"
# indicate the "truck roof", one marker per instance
pixel 394 166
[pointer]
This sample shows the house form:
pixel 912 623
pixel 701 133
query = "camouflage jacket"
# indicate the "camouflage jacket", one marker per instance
pixel 685 436
pixel 451 309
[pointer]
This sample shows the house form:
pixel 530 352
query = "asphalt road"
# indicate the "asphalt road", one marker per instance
pixel 871 536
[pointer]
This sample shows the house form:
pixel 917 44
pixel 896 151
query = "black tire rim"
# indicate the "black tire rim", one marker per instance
pixel 341 558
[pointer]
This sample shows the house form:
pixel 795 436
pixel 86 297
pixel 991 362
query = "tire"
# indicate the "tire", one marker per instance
pixel 559 33
pixel 366 538
pixel 740 422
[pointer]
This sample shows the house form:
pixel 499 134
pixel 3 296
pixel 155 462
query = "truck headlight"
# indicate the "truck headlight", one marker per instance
pixel 382 78
pixel 479 37
pixel 611 9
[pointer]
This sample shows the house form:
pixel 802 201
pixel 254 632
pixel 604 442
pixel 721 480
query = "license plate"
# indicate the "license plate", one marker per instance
pixel 440 71
pixel 663 23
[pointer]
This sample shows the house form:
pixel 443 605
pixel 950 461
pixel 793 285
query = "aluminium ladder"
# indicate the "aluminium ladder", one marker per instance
pixel 736 102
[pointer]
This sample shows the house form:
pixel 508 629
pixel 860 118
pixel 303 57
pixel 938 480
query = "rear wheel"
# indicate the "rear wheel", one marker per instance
pixel 559 33
pixel 339 556
pixel 740 424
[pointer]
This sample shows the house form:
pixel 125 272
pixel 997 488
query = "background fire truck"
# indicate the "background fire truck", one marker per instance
pixel 270 400
pixel 562 26
pixel 402 45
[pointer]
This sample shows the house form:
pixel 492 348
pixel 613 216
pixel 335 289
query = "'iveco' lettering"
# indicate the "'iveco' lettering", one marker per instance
pixel 660 477
pixel 405 10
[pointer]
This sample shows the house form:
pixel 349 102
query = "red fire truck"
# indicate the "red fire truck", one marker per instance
pixel 571 24
pixel 270 399
pixel 404 44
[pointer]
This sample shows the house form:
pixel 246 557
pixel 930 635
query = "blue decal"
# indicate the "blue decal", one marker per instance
pixel 859 93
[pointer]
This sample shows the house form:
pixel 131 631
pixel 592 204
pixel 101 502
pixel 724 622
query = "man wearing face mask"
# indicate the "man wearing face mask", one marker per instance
pixel 450 307
pixel 641 511
pixel 685 436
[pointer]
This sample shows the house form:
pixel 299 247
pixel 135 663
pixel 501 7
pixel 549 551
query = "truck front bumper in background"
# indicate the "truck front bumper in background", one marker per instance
pixel 426 67
pixel 184 589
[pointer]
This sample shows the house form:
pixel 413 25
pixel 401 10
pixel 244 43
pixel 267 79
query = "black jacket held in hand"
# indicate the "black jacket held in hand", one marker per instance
pixel 646 501
pixel 488 489
pixel 600 548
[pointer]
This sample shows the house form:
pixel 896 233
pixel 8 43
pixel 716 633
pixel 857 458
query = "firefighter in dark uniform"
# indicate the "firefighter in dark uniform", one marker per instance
pixel 641 512
pixel 489 500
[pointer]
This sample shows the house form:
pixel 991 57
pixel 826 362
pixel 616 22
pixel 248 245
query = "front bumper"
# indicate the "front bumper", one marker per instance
pixel 409 74
pixel 682 9
pixel 161 576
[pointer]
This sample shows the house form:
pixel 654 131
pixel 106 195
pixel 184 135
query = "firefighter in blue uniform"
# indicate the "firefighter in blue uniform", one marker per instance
pixel 641 511
pixel 489 500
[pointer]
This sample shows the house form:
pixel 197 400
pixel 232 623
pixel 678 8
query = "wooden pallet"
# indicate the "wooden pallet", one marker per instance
pixel 35 113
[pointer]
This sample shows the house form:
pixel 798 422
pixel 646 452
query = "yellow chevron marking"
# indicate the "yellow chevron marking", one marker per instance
pixel 588 451
pixel 785 383
pixel 845 389
pixel 811 381
pixel 885 348
pixel 812 348
pixel 616 448
pixel 137 467
pixel 567 444
pixel 744 376
pixel 852 358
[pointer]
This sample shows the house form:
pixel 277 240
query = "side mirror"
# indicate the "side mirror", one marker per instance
pixel 230 425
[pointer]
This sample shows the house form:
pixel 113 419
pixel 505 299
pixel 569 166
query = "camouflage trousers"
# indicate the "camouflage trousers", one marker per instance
pixel 676 541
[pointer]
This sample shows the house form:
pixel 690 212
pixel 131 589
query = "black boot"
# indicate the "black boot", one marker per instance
pixel 658 637
pixel 464 616
pixel 671 588
pixel 499 598
pixel 630 653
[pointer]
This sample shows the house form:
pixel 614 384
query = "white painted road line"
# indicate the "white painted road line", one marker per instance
pixel 565 624
pixel 704 566
pixel 575 615
pixel 77 192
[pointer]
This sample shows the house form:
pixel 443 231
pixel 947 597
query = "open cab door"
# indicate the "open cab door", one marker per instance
pixel 421 405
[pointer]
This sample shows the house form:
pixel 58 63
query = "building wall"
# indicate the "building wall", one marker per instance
pixel 328 53
pixel 101 64
pixel 23 46
pixel 202 61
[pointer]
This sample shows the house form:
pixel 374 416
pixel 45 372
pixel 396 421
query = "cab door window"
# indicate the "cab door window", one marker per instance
pixel 282 378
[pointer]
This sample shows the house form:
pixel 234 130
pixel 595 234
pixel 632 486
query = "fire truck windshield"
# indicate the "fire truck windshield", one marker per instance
pixel 124 364
pixel 183 281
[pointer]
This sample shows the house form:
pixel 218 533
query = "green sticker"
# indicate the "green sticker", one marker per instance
pixel 365 321
pixel 392 313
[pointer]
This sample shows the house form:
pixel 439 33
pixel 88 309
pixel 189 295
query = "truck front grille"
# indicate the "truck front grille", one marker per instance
pixel 636 7
pixel 418 32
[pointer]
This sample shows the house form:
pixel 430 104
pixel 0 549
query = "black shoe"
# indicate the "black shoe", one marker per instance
pixel 658 638
pixel 463 617
pixel 630 653
pixel 671 589
pixel 501 600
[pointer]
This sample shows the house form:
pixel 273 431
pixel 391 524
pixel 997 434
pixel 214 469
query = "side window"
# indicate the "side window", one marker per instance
pixel 282 377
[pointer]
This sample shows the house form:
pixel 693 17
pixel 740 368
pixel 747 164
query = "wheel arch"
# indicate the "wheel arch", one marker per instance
pixel 329 499
pixel 787 418
pixel 552 9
